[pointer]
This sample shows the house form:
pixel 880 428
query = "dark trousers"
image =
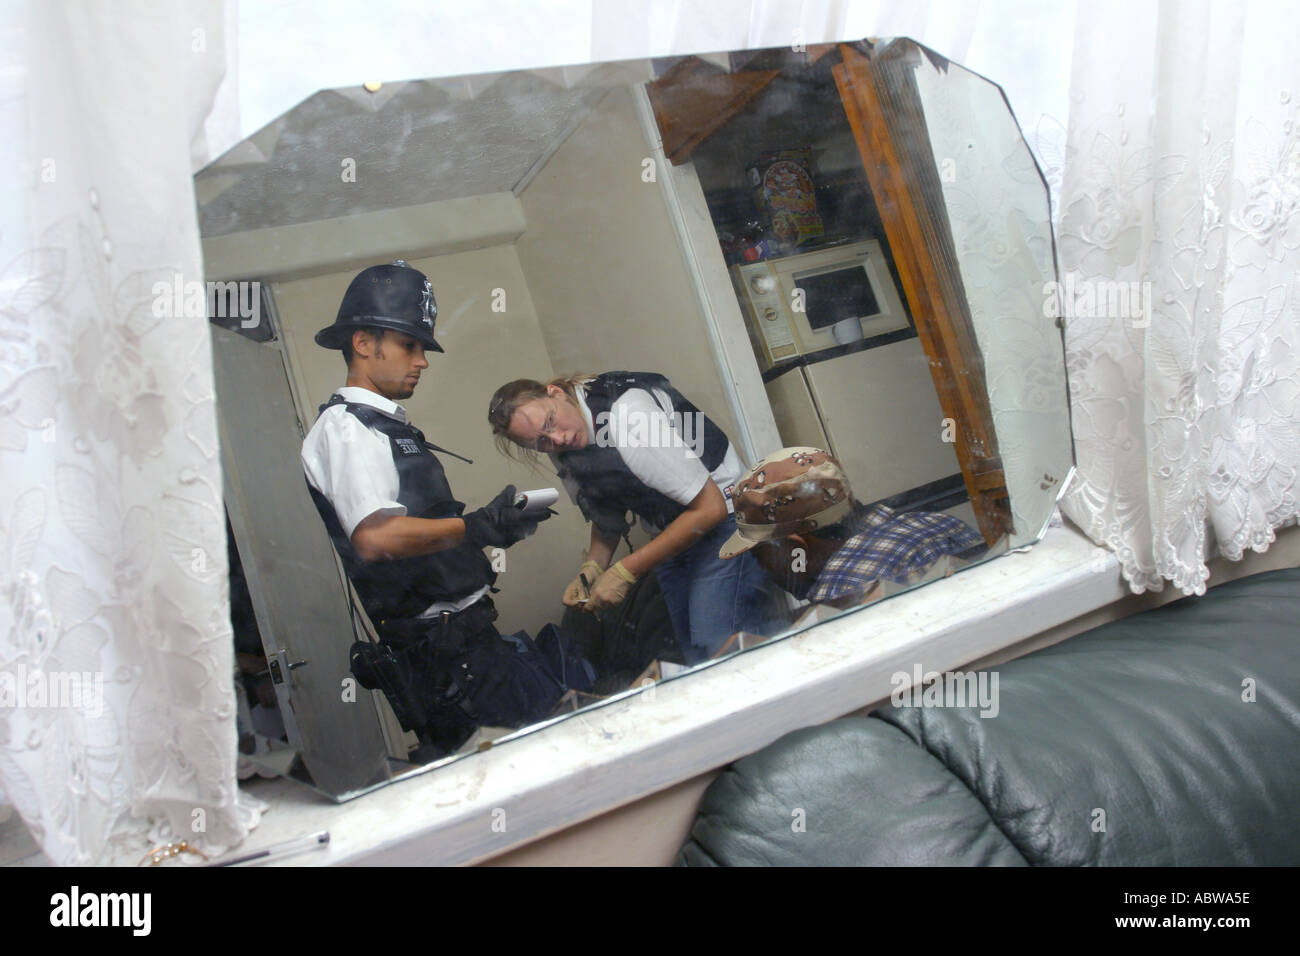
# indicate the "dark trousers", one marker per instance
pixel 464 674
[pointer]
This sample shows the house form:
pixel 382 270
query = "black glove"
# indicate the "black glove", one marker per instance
pixel 499 524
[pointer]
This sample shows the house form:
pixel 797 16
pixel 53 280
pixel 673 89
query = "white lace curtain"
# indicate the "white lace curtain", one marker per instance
pixel 1180 177
pixel 115 642
pixel 1176 164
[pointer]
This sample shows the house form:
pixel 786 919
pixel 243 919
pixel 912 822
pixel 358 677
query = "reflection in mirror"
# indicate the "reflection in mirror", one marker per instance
pixel 761 337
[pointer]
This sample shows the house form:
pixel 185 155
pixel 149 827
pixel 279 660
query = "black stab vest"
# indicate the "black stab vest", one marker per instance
pixel 404 587
pixel 605 482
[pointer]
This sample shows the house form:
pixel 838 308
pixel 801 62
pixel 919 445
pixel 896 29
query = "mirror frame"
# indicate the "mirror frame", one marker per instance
pixel 637 690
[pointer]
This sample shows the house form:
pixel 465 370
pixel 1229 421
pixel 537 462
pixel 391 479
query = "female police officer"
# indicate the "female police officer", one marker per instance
pixel 629 441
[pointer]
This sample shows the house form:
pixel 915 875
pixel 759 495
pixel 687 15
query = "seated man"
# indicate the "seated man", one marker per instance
pixel 795 509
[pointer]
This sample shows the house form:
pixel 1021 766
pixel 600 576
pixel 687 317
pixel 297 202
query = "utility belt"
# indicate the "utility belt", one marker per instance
pixel 416 664
pixel 455 671
pixel 448 631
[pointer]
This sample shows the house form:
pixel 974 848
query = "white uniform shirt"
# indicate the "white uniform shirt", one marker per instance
pixel 657 448
pixel 352 465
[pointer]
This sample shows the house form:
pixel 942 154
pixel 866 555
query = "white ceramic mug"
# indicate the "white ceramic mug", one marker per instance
pixel 846 331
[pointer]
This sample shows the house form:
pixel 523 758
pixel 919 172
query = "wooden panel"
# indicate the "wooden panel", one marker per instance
pixel 884 112
pixel 694 98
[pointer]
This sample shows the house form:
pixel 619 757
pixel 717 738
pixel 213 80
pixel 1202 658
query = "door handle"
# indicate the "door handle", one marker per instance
pixel 277 675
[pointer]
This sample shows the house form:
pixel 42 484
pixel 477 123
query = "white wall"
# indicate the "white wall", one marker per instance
pixel 605 267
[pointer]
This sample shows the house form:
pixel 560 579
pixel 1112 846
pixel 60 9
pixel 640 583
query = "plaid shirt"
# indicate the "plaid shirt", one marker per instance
pixel 890 546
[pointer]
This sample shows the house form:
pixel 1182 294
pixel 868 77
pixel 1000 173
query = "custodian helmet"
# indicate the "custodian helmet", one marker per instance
pixel 394 296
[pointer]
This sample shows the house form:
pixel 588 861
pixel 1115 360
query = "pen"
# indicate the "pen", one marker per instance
pixel 310 842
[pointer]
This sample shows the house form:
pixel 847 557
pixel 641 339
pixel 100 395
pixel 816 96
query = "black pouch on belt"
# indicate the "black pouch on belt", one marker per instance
pixel 429 652
pixel 377 666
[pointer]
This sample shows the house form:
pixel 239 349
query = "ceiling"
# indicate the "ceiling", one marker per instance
pixel 409 143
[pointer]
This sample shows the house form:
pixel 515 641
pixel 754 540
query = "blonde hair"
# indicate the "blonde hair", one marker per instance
pixel 507 399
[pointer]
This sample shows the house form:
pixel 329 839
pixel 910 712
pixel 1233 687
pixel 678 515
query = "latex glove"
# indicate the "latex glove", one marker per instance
pixel 610 588
pixel 499 524
pixel 576 593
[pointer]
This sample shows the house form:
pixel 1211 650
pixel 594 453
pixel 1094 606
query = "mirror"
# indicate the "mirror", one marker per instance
pixel 844 250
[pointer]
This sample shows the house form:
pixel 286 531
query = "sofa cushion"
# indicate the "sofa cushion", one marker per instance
pixel 1166 738
pixel 828 794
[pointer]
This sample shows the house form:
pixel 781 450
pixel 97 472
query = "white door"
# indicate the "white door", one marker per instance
pixel 298 597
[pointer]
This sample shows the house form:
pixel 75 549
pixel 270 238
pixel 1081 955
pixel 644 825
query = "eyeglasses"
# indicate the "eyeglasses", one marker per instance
pixel 545 440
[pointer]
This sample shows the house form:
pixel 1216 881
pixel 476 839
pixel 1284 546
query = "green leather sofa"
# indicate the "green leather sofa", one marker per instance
pixel 1169 738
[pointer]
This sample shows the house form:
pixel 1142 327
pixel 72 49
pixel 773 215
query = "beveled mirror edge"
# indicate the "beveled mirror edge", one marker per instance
pixel 1056 270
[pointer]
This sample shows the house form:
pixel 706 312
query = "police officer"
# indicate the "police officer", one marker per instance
pixel 415 557
pixel 630 441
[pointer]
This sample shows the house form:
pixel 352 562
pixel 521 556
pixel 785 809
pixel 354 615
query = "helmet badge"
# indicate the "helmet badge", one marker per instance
pixel 427 308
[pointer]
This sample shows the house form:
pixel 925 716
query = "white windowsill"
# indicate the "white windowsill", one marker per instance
pixel 612 755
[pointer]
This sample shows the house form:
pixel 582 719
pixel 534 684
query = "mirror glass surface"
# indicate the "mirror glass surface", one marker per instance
pixel 844 249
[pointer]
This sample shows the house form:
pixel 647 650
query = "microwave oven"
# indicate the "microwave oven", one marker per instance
pixel 814 301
